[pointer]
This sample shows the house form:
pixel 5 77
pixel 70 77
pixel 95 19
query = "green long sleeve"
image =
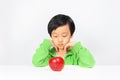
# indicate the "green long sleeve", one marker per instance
pixel 78 55
pixel 41 56
pixel 84 57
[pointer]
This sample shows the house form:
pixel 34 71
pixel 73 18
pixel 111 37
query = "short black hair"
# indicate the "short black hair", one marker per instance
pixel 61 20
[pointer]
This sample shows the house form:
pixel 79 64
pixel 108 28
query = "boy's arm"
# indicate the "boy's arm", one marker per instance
pixel 41 56
pixel 85 58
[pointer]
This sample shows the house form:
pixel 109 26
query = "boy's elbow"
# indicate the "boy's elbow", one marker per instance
pixel 35 63
pixel 39 63
pixel 88 64
pixel 91 65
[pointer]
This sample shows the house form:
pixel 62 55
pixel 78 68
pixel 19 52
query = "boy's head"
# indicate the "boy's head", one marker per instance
pixel 60 20
pixel 61 28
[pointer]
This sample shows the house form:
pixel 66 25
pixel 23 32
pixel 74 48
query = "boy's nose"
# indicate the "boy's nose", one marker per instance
pixel 60 39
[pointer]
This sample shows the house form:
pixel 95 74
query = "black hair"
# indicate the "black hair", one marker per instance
pixel 61 20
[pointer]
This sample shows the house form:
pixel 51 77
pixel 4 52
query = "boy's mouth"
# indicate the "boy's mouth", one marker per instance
pixel 60 45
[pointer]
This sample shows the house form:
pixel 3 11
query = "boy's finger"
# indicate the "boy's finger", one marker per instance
pixel 56 49
pixel 54 46
pixel 65 48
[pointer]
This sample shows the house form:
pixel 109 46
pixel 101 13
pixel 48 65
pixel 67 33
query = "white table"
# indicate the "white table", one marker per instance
pixel 68 73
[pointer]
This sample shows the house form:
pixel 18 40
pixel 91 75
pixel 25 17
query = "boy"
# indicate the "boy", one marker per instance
pixel 61 29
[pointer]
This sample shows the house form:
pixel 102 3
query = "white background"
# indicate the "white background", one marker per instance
pixel 23 25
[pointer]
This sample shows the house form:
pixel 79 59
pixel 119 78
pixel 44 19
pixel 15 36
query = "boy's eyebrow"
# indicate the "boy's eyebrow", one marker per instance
pixel 54 33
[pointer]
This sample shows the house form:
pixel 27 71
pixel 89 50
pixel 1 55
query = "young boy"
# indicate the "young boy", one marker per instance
pixel 61 29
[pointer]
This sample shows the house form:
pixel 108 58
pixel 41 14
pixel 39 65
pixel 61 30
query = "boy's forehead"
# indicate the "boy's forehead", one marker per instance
pixel 62 29
pixel 57 32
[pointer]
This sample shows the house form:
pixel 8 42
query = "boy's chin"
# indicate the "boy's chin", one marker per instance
pixel 61 48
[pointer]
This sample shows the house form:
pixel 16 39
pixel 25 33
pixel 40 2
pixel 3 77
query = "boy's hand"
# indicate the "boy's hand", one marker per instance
pixel 69 46
pixel 56 48
pixel 66 48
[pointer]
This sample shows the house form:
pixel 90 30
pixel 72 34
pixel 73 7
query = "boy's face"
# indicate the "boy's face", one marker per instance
pixel 61 36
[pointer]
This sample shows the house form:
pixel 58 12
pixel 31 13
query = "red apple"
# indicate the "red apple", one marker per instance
pixel 56 63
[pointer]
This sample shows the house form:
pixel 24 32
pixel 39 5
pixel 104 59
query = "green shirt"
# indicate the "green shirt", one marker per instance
pixel 78 55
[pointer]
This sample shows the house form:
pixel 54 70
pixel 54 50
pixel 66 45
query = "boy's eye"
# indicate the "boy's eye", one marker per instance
pixel 55 36
pixel 65 36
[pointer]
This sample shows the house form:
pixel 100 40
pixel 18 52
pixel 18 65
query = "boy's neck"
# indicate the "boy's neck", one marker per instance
pixel 61 50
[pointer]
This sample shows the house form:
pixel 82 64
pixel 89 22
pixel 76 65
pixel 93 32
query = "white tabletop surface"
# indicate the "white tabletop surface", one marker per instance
pixel 68 73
